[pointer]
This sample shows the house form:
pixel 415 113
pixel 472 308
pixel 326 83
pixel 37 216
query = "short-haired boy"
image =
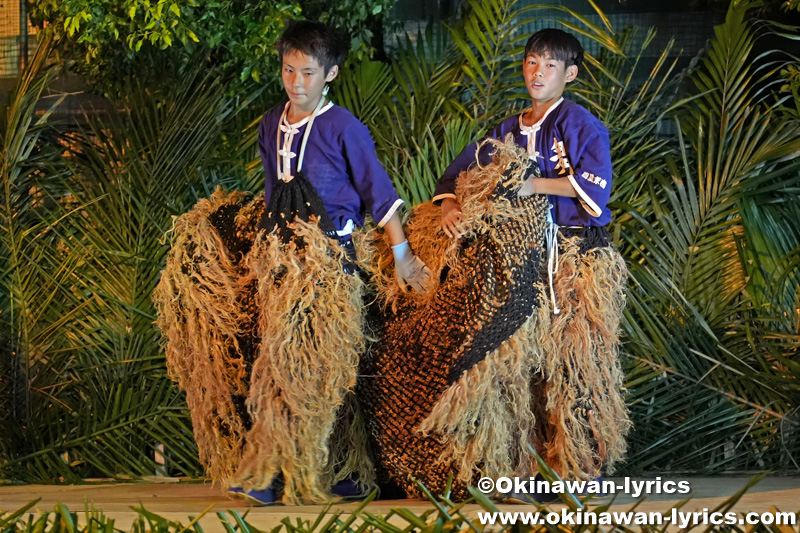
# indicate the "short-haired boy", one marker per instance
pixel 584 423
pixel 338 157
pixel 569 145
pixel 321 169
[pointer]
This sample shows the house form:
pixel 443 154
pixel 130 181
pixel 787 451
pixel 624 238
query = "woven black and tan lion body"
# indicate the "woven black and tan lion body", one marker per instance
pixel 467 380
pixel 265 334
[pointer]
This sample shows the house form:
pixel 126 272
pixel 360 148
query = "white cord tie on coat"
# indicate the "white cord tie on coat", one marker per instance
pixel 551 235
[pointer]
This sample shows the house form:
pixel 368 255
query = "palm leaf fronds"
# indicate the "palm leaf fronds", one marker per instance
pixel 102 403
pixel 709 385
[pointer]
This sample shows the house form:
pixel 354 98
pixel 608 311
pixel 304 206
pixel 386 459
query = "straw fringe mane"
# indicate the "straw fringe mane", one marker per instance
pixel 199 315
pixel 311 328
pixel 556 384
pixel 587 417
pixel 278 326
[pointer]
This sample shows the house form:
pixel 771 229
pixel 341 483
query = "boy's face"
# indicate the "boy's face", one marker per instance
pixel 546 77
pixel 304 78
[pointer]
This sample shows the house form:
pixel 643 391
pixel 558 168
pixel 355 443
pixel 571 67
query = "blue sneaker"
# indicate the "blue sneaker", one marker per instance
pixel 347 488
pixel 235 492
pixel 258 497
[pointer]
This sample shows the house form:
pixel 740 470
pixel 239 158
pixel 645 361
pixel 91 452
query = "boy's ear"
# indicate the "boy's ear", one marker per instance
pixel 572 72
pixel 332 73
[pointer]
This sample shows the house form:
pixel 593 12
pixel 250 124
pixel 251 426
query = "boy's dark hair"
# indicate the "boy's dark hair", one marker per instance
pixel 314 39
pixel 558 44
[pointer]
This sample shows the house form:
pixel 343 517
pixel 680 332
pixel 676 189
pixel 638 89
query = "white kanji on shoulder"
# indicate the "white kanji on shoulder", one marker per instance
pixel 597 180
pixel 563 167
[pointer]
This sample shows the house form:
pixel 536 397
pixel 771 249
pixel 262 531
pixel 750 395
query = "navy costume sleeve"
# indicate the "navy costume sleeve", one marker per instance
pixel 586 145
pixel 446 186
pixel 368 175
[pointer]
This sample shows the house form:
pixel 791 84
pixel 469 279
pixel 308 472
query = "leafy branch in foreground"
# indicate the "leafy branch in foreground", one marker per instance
pixel 442 515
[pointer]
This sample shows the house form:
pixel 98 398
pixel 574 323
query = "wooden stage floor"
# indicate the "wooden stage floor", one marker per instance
pixel 177 501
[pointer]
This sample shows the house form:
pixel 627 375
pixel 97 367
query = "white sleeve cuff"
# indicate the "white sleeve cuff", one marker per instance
pixel 439 197
pixel 587 203
pixel 395 206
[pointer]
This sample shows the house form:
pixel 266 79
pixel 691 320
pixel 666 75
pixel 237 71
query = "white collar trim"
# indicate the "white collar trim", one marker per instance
pixel 303 121
pixel 538 124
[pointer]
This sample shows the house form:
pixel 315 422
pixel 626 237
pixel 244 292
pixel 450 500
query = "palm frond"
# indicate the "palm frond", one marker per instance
pixel 103 404
pixel 408 108
pixel 33 270
pixel 361 88
pixel 490 43
pixel 713 390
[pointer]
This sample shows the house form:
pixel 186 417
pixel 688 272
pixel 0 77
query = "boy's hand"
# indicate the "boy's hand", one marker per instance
pixel 409 269
pixel 451 218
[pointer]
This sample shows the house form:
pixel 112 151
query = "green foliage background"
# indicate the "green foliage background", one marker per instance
pixel 705 216
pixel 112 41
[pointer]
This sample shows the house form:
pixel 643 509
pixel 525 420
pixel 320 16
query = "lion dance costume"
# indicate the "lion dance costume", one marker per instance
pixel 461 382
pixel 264 333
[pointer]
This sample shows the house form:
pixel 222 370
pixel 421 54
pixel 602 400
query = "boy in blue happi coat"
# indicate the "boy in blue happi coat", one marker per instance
pixel 320 166
pixel 581 420
pixel 261 303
